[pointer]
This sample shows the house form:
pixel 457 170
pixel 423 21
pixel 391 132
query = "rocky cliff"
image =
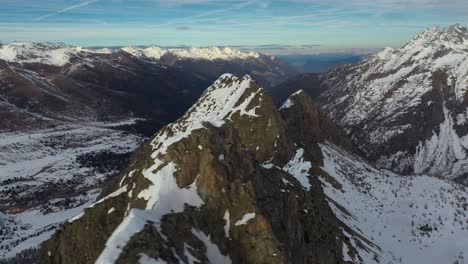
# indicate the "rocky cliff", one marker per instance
pixel 225 183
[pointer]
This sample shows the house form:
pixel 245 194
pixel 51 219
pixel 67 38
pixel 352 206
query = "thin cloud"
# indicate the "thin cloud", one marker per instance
pixel 68 9
pixel 213 12
pixel 183 28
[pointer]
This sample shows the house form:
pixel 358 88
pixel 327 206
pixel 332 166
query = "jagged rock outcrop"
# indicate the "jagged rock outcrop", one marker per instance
pixel 308 126
pixel 227 182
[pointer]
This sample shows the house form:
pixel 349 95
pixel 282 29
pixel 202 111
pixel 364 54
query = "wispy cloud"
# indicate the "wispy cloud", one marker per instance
pixel 233 7
pixel 67 9
pixel 183 28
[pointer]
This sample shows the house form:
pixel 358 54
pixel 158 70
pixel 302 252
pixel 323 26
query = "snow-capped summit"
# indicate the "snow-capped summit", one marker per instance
pixel 228 95
pixel 60 54
pixel 215 60
pixel 454 35
pixel 206 53
pixel 431 42
pixel 406 107
pixel 44 53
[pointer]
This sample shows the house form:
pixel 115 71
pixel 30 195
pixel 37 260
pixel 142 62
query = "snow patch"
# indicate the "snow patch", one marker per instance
pixel 299 168
pixel 213 253
pixel 227 226
pixel 245 218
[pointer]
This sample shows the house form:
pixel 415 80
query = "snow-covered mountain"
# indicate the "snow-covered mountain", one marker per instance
pixel 407 108
pixel 43 80
pixel 208 53
pixel 213 62
pixel 43 53
pixel 40 83
pixel 235 180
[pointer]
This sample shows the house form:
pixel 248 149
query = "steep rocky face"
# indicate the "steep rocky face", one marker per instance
pixel 224 183
pixel 308 126
pixel 406 108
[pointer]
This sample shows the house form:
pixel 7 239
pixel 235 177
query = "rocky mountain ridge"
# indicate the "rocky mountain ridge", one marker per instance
pixel 212 174
pixel 236 180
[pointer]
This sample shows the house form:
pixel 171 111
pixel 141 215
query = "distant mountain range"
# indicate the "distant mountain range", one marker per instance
pixel 54 81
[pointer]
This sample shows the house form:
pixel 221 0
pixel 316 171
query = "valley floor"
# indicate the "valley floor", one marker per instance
pixel 49 176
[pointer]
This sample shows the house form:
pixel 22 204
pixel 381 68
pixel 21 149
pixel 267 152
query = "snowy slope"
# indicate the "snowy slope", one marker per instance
pixel 60 54
pixel 44 53
pixel 397 103
pixel 42 182
pixel 412 219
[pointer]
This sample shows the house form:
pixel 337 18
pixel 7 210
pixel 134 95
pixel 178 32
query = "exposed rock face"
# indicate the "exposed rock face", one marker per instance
pixel 225 183
pixel 308 126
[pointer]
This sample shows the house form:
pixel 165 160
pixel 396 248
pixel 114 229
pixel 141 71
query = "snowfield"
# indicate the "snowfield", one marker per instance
pixel 409 219
pixel 42 184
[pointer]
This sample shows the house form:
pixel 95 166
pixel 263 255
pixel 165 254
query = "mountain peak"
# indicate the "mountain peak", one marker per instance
pixel 55 54
pixel 456 34
pixel 224 187
pixel 220 101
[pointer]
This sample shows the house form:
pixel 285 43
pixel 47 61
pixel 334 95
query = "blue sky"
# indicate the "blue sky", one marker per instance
pixel 334 24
